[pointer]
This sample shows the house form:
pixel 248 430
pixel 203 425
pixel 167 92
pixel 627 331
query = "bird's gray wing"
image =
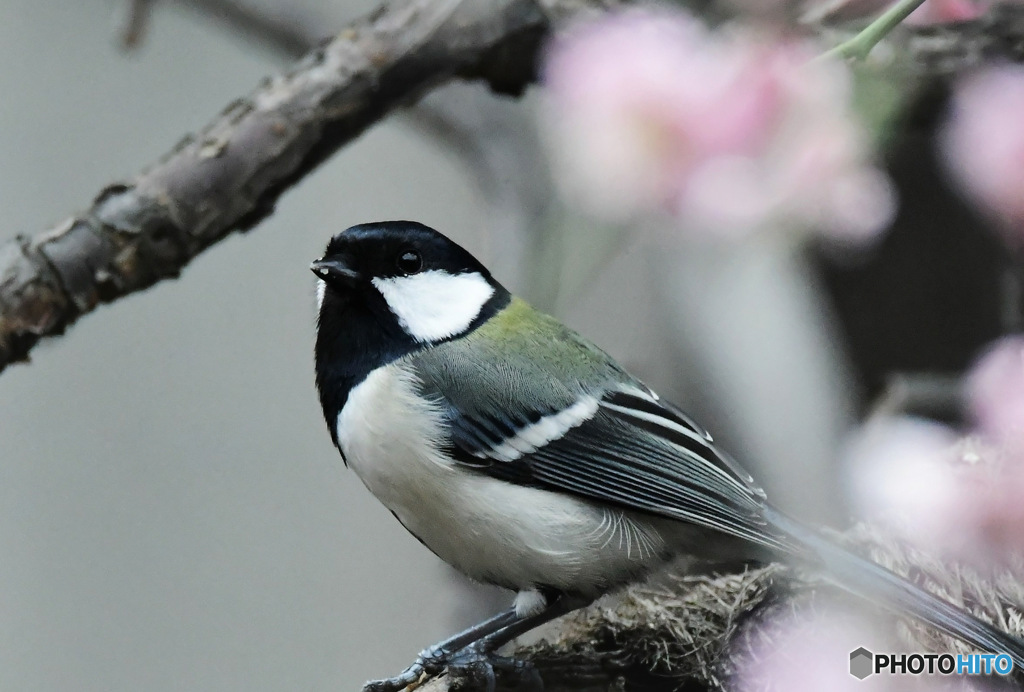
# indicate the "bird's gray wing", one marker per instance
pixel 623 448
pixel 598 434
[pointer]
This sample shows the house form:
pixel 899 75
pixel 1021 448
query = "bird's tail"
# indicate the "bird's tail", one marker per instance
pixel 873 582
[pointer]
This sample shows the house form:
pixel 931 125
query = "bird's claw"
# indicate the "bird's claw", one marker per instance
pixel 395 684
pixel 471 668
pixel 430 662
pixel 474 669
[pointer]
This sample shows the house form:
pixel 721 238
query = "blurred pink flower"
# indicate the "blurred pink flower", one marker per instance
pixel 812 653
pixel 947 11
pixel 996 390
pixel 953 496
pixel 728 132
pixel 994 512
pixel 902 476
pixel 983 143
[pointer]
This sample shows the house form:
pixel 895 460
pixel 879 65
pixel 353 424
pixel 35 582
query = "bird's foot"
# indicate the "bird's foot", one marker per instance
pixel 474 669
pixel 429 663
pixel 471 669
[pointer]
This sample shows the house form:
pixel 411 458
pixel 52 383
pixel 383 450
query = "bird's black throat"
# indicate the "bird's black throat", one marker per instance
pixel 353 338
pixel 357 333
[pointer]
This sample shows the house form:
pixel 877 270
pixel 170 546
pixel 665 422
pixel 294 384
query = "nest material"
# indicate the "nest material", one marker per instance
pixel 691 632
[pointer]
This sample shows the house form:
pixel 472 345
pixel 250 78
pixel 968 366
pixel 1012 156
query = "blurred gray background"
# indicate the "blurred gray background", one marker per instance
pixel 172 513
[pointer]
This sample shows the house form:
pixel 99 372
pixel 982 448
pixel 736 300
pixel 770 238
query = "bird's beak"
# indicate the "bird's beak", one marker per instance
pixel 335 271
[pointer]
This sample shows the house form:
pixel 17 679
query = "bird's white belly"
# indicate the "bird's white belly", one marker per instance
pixel 489 529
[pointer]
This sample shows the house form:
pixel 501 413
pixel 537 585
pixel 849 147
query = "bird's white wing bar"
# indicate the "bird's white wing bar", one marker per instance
pixel 646 403
pixel 667 423
pixel 533 436
pixel 646 410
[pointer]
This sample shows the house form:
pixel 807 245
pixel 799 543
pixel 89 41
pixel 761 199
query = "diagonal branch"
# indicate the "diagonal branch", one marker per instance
pixel 229 176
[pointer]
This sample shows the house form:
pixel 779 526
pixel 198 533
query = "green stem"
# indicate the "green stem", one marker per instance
pixel 858 47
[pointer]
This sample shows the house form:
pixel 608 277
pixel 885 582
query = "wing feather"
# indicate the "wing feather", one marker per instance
pixel 599 434
pixel 643 458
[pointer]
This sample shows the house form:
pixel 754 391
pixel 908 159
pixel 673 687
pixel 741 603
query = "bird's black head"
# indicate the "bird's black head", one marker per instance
pixel 388 289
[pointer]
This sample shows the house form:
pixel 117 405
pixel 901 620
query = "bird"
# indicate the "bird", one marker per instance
pixel 526 457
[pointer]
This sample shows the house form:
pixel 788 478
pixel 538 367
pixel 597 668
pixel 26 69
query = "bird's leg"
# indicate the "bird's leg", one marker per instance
pixel 433 658
pixel 476 663
pixel 559 607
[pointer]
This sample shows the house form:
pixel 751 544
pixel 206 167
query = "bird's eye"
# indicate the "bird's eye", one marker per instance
pixel 409 262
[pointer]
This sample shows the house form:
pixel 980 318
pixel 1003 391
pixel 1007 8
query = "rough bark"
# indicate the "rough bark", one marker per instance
pixel 228 176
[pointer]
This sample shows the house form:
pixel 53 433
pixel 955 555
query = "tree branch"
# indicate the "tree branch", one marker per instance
pixel 694 632
pixel 229 176
pixel 945 49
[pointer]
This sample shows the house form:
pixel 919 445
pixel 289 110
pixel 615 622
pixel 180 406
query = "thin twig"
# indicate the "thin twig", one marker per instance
pixel 858 47
pixel 933 395
pixel 135 23
pixel 938 50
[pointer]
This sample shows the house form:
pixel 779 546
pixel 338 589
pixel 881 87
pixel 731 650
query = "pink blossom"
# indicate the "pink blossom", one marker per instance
pixel 811 652
pixel 953 496
pixel 808 650
pixel 983 144
pixel 948 11
pixel 633 117
pixel 996 389
pixel 729 132
pixel 995 514
pixel 902 476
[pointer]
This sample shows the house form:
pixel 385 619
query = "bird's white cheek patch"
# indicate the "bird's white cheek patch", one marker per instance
pixel 434 304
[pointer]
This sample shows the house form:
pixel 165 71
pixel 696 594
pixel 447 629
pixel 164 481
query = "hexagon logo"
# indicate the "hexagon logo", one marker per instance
pixel 861 663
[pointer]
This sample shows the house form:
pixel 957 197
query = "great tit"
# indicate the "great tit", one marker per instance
pixel 526 457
